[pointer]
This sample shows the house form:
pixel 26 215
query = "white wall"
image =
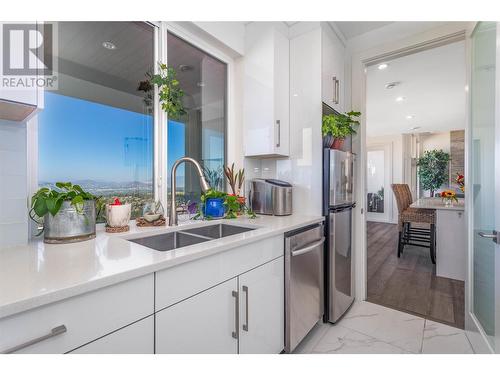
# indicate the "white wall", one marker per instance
pixel 13 184
pixel 231 34
pixel 436 141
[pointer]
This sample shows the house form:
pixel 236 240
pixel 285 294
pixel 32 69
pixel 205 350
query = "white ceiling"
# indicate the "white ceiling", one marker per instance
pixel 82 55
pixel 351 29
pixel 433 84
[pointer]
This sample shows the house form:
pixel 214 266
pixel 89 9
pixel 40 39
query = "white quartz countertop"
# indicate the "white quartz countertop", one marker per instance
pixel 438 204
pixel 38 274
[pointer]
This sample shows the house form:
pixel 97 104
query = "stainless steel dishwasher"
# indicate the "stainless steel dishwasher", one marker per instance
pixel 304 253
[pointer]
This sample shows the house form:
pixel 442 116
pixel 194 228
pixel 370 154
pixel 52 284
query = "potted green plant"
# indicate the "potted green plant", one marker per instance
pixel 218 204
pixel 170 92
pixel 336 127
pixel 66 214
pixel 433 169
pixel 213 203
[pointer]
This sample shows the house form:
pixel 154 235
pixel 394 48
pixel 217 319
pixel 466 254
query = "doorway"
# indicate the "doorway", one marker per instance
pixel 415 109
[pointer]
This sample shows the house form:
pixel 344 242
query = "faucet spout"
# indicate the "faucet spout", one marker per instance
pixel 172 215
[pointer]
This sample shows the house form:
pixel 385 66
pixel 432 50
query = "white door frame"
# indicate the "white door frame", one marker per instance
pixel 360 61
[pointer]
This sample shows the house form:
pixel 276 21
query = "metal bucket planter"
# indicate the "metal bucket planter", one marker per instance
pixel 68 225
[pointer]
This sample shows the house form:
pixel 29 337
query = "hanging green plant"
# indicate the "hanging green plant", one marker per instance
pixel 170 92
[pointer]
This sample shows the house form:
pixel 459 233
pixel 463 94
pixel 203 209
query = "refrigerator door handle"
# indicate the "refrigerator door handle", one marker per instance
pixel 309 248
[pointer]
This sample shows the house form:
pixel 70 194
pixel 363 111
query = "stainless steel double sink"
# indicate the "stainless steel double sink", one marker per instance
pixel 187 237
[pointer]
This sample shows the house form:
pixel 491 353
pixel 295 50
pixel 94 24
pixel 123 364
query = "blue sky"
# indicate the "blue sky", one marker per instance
pixel 79 140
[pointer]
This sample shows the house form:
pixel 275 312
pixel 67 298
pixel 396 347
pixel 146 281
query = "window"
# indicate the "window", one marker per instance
pixel 199 134
pixel 97 128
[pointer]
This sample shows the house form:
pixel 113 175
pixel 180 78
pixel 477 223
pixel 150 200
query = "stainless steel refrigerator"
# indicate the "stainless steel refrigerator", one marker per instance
pixel 338 203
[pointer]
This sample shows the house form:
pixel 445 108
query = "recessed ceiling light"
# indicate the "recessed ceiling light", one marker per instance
pixel 109 45
pixel 409 117
pixel 415 128
pixel 400 98
pixel 185 68
pixel 382 66
pixel 391 85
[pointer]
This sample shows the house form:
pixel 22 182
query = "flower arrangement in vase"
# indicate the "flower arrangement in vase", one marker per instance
pixel 448 197
pixel 460 180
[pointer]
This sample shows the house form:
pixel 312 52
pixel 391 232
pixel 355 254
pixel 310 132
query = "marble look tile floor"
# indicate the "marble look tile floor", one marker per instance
pixel 368 328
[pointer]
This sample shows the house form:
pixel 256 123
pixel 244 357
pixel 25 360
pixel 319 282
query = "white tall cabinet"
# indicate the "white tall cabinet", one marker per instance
pixel 316 56
pixel 266 90
pixel 332 69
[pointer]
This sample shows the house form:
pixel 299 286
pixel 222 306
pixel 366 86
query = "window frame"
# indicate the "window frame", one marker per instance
pixel 160 118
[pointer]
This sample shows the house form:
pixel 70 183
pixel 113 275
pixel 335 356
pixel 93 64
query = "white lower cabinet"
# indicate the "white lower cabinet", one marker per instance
pixel 204 323
pixel 68 324
pixel 232 302
pixel 136 338
pixel 262 313
pixel 241 315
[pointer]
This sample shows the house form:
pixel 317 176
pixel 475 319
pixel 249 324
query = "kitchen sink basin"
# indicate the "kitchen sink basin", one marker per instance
pixel 218 230
pixel 169 241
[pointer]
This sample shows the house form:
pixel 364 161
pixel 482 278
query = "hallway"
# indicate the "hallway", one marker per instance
pixel 409 283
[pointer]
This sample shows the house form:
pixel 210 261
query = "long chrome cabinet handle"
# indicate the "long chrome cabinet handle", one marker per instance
pixel 494 235
pixel 53 332
pixel 337 91
pixel 334 93
pixel 278 124
pixel 235 333
pixel 308 248
pixel 245 326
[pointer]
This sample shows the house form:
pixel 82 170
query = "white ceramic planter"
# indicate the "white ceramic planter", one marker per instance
pixel 118 215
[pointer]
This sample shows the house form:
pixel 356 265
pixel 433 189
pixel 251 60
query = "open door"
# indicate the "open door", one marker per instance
pixel 484 185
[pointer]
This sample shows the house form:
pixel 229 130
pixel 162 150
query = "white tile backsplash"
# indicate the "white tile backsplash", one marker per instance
pixel 13 211
pixel 13 163
pixel 13 184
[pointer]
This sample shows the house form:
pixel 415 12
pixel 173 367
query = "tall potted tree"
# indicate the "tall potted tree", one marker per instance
pixel 433 169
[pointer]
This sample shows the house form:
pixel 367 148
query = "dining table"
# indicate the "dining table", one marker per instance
pixel 451 236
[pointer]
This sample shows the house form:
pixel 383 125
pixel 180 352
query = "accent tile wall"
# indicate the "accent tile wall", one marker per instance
pixel 457 147
pixel 13 184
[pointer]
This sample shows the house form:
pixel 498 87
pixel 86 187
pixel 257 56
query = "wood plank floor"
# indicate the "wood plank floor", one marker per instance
pixel 410 283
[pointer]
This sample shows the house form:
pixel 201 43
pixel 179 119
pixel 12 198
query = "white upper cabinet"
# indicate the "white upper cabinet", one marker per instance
pixel 332 69
pixel 266 91
pixel 19 95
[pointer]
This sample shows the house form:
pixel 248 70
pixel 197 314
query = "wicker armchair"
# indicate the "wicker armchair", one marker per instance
pixel 416 236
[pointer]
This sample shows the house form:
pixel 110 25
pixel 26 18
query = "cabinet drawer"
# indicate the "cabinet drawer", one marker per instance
pixel 137 338
pixel 85 317
pixel 183 281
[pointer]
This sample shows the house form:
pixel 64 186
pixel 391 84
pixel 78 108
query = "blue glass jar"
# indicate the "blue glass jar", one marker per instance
pixel 214 207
